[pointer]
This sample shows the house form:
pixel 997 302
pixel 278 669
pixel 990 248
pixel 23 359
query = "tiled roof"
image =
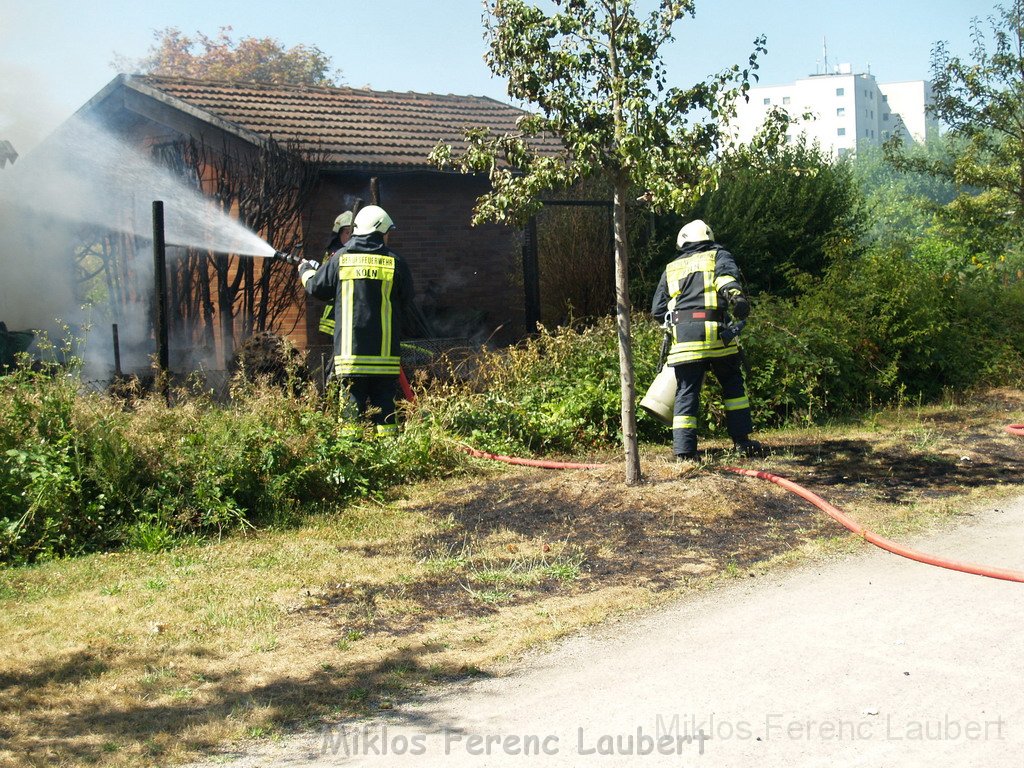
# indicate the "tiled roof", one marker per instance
pixel 355 127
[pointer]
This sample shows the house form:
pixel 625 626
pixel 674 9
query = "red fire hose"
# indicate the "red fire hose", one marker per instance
pixel 526 462
pixel 833 512
pixel 874 538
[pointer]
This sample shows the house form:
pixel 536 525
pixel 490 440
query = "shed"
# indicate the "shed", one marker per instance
pixel 373 146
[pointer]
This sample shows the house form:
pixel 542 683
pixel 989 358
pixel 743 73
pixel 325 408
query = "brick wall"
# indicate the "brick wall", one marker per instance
pixel 468 279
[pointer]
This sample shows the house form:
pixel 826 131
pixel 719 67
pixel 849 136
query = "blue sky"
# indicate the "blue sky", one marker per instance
pixel 56 54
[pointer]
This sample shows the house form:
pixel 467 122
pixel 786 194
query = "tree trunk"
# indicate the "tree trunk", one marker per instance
pixel 623 308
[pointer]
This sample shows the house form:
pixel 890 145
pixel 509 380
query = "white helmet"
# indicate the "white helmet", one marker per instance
pixel 344 220
pixel 694 232
pixel 372 218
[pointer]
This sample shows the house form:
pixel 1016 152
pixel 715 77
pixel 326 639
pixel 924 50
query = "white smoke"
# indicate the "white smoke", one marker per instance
pixel 83 175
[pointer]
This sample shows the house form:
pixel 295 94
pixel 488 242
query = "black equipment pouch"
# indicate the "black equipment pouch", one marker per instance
pixel 688 324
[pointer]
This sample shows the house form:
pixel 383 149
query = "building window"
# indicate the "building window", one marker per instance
pixel 785 99
pixel 885 118
pixel 872 114
pixel 840 111
pixel 841 132
pixel 767 102
pixel 840 91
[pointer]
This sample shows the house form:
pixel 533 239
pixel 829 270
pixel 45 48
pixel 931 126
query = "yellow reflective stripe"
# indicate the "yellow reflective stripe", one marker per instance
pixel 737 403
pixel 724 281
pixel 373 359
pixel 385 317
pixel 711 293
pixel 696 346
pixel 679 269
pixel 687 356
pixel 327 319
pixel 387 429
pixel 380 366
pixel 349 272
pixel 684 422
pixel 367 370
pixel 368 260
pixel 348 308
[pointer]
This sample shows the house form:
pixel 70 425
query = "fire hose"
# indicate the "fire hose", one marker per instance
pixel 836 514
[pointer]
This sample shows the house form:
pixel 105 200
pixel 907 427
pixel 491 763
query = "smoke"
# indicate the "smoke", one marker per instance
pixel 84 176
pixel 24 115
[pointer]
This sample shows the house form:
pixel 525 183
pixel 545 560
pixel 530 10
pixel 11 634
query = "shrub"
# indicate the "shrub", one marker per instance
pixel 556 392
pixel 80 473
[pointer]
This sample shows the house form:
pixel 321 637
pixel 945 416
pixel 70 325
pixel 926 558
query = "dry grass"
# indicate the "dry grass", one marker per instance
pixel 137 659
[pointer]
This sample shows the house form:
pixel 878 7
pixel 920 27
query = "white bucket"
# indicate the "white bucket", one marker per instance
pixel 661 396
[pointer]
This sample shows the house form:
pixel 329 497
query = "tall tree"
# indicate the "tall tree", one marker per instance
pixel 981 103
pixel 594 71
pixel 250 59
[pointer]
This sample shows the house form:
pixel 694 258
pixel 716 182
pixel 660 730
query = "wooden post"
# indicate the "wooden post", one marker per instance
pixel 117 352
pixel 531 276
pixel 160 300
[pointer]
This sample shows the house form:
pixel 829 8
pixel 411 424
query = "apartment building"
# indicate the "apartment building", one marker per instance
pixel 845 109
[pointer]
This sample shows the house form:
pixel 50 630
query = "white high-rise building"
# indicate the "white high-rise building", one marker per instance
pixel 845 109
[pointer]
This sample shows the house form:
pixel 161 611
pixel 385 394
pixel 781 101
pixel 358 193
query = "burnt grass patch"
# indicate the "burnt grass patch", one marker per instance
pixel 681 524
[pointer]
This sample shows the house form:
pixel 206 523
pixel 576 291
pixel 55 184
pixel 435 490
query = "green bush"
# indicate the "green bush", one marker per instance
pixel 876 328
pixel 557 392
pixel 80 472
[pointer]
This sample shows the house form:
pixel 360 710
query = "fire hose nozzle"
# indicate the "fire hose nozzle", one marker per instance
pixel 287 258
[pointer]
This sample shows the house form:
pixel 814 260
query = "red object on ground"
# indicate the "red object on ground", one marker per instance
pixel 528 462
pixel 1015 429
pixel 874 538
pixel 407 392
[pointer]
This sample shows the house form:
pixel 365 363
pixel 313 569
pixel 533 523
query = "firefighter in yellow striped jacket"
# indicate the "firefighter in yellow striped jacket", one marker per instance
pixel 342 231
pixel 695 296
pixel 371 287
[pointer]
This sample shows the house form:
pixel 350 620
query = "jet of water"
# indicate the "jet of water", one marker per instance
pixel 85 174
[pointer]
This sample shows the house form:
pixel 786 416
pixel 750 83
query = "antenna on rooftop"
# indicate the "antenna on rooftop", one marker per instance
pixel 824 53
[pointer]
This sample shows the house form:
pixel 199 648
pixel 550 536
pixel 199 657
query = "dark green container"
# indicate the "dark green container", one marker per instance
pixel 13 342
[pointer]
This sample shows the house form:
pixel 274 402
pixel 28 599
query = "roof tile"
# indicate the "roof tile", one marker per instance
pixel 354 126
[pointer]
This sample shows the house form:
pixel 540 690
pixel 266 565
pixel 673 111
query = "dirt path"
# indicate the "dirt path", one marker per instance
pixel 866 661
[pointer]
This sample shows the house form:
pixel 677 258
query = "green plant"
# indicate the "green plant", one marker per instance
pixel 81 472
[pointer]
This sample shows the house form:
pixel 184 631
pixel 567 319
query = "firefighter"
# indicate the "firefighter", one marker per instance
pixel 342 231
pixel 371 287
pixel 691 301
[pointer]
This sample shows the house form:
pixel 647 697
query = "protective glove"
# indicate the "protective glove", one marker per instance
pixel 741 307
pixel 307 265
pixel 731 331
pixel 738 303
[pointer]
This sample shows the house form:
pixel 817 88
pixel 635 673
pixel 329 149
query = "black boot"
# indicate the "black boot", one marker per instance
pixel 688 456
pixel 749 448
